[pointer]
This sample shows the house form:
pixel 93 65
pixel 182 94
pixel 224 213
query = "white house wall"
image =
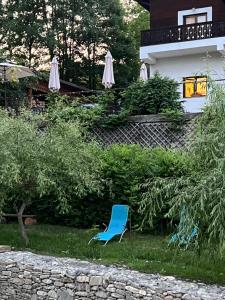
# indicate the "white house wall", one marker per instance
pixel 191 65
pixel 153 52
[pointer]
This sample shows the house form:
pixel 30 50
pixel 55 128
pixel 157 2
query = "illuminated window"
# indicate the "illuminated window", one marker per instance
pixel 195 87
pixel 193 19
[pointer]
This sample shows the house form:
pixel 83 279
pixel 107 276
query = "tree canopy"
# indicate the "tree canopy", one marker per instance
pixel 80 31
pixel 37 162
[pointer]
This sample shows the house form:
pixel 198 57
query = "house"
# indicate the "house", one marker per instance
pixel 186 42
pixel 37 94
pixel 66 87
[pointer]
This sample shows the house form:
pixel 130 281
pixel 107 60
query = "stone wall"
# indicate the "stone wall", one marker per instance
pixel 25 276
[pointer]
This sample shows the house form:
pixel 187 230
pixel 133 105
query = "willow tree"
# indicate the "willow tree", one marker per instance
pixel 34 163
pixel 201 187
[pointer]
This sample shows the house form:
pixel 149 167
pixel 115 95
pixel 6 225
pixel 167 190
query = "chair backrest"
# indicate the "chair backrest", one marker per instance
pixel 119 218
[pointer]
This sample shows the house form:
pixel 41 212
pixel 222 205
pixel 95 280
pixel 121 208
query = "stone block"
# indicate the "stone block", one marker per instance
pixel 52 294
pixel 41 293
pixel 117 296
pixel 82 279
pixel 101 295
pixel 154 297
pixel 47 281
pixel 111 289
pixel 58 284
pixel 96 280
pixel 64 295
pixel 4 248
pixel 132 290
pixel 142 292
pixel 129 297
pixel 7 273
pixel 81 294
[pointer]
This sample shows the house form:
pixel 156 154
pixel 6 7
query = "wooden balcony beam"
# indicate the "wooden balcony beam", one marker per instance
pixel 183 33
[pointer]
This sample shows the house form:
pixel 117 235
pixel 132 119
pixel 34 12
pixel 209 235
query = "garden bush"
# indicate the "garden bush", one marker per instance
pixel 124 169
pixel 113 107
pixel 105 111
pixel 151 97
pixel 62 108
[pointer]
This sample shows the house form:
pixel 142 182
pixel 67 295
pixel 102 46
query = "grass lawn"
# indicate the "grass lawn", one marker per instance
pixel 145 253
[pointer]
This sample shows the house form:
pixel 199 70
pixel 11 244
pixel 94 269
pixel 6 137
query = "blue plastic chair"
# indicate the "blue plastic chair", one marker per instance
pixel 117 225
pixel 180 238
pixel 184 240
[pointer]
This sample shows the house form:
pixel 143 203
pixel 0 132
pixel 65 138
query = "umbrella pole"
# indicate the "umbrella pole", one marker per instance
pixel 5 87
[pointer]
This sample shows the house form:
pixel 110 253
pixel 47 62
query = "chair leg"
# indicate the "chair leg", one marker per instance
pixel 122 235
pixel 90 241
pixel 106 243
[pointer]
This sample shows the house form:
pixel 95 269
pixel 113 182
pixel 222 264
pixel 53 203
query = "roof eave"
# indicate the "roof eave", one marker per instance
pixel 144 3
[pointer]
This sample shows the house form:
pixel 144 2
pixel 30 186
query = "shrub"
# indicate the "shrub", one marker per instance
pixel 151 97
pixel 127 167
pixel 157 95
pixel 62 108
pixel 124 169
pixel 112 113
pixel 105 112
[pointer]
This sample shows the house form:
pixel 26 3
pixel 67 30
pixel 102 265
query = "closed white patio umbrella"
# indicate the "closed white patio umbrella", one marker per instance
pixel 143 72
pixel 108 77
pixel 54 81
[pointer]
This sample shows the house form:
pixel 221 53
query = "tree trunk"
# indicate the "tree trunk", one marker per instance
pixel 94 68
pixel 30 52
pixel 89 66
pixel 21 225
pixel 29 98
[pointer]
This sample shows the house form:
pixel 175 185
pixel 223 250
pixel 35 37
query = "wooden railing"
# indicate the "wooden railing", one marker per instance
pixel 182 33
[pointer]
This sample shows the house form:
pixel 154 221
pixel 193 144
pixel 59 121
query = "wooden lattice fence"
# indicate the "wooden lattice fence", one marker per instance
pixel 149 131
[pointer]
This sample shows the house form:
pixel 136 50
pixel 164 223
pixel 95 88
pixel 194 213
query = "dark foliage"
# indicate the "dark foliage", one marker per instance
pixel 152 97
pixel 125 168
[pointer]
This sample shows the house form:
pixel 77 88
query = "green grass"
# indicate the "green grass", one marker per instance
pixel 145 253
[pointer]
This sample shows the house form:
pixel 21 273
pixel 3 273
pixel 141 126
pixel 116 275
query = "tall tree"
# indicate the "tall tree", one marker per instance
pixel 82 32
pixel 109 31
pixel 24 25
pixel 137 20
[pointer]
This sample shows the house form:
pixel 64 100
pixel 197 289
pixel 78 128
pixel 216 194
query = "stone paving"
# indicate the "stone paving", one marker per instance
pixel 24 275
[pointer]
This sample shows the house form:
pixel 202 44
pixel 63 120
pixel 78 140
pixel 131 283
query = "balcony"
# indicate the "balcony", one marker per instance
pixel 183 33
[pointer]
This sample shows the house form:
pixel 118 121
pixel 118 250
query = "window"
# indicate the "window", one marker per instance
pixel 193 19
pixel 195 86
pixel 195 15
